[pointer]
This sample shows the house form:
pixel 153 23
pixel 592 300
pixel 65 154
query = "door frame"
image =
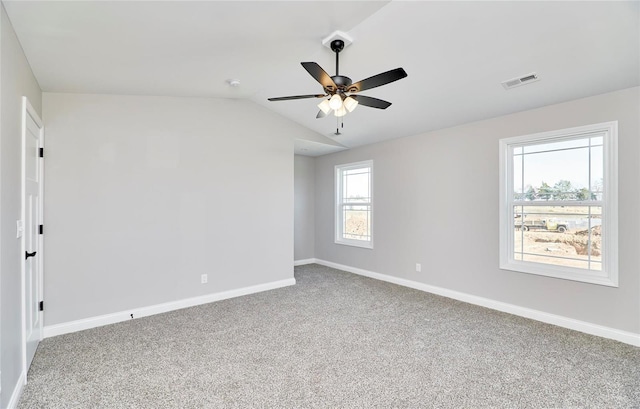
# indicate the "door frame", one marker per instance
pixel 27 109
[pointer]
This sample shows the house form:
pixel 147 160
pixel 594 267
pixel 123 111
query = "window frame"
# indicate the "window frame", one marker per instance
pixel 609 203
pixel 339 204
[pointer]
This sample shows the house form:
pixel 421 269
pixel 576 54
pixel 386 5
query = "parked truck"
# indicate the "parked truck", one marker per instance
pixel 548 225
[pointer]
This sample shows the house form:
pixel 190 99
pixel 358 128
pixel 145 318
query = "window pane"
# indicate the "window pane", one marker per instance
pixel 518 187
pixel 597 172
pixel 559 235
pixel 556 261
pixel 517 221
pixel 357 222
pixel 597 140
pixel 567 170
pixel 558 175
pixel 356 186
pixel 554 146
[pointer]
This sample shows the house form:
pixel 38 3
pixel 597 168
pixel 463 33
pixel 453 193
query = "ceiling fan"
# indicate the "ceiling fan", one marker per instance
pixel 342 94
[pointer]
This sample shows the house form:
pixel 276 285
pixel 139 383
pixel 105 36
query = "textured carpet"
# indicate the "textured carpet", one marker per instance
pixel 334 340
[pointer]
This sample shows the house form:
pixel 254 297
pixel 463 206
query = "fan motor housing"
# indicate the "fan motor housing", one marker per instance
pixel 341 81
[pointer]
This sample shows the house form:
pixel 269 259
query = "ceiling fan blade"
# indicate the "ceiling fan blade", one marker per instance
pixel 321 114
pixel 371 102
pixel 320 75
pixel 297 97
pixel 378 80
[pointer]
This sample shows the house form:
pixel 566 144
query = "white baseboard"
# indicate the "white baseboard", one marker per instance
pixel 565 322
pixel 17 391
pixel 303 262
pixel 93 322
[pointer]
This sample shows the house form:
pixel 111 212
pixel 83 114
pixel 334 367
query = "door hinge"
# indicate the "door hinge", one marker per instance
pixel 41 229
pixel 41 151
pixel 41 306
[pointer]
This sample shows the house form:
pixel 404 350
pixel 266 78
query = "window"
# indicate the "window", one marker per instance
pixel 354 208
pixel 558 204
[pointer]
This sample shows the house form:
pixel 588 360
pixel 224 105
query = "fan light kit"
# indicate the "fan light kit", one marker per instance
pixel 340 93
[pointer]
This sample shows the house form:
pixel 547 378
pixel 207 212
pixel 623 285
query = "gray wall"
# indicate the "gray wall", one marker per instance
pixel 304 207
pixel 16 80
pixel 436 203
pixel 145 194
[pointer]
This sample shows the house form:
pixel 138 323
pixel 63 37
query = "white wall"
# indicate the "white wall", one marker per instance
pixel 304 207
pixel 16 80
pixel 436 203
pixel 145 194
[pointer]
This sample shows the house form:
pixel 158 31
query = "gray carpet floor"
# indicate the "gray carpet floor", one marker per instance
pixel 334 340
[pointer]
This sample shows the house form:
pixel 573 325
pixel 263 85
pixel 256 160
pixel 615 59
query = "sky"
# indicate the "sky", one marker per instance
pixel 550 163
pixel 356 183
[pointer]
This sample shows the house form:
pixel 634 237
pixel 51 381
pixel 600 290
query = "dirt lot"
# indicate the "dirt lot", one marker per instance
pixel 357 225
pixel 573 244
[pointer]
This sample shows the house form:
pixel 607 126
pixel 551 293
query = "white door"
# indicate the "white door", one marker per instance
pixel 32 188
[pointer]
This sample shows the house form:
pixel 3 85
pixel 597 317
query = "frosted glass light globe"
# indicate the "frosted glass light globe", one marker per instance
pixel 335 102
pixel 340 111
pixel 324 106
pixel 350 104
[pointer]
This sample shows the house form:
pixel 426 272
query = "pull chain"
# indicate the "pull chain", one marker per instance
pixel 339 124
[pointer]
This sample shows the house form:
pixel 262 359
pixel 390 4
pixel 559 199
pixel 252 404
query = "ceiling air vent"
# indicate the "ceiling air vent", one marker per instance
pixel 516 82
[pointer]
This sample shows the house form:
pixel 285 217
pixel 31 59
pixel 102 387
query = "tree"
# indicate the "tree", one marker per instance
pixel 596 189
pixel 563 190
pixel 545 192
pixel 582 194
pixel 530 194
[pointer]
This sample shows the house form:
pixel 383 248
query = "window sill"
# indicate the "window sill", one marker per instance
pixel 599 278
pixel 356 243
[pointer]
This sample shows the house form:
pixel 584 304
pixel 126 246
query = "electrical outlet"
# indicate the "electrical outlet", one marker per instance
pixel 204 278
pixel 418 267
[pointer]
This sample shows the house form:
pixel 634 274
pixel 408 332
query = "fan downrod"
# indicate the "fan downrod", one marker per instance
pixel 337 46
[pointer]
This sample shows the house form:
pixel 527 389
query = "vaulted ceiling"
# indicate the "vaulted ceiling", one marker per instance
pixel 456 55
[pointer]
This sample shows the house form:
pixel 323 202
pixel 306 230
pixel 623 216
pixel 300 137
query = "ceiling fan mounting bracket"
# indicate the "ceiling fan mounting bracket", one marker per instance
pixel 337 46
pixel 337 35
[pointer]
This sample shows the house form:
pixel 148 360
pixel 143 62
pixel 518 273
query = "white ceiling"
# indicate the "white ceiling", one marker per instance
pixel 456 55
